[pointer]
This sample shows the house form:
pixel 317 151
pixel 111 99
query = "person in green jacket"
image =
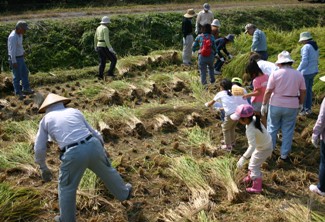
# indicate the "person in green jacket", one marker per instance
pixel 104 48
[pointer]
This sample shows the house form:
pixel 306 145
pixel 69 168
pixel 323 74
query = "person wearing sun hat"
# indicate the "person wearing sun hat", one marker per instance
pixel 259 146
pixel 187 36
pixel 318 140
pixel 259 43
pixel 16 59
pixel 104 48
pixel 308 67
pixel 81 147
pixel 204 17
pixel 284 95
pixel 215 28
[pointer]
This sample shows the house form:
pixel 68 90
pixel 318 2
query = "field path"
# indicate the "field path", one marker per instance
pixel 62 13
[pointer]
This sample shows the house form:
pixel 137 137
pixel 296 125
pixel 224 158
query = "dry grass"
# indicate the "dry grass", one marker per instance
pixel 294 211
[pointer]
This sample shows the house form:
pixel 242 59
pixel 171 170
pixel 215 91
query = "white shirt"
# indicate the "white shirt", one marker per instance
pixel 256 139
pixel 267 67
pixel 228 102
pixel 65 126
pixel 15 46
pixel 203 18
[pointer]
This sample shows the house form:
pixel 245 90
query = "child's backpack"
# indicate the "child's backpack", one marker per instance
pixel 206 47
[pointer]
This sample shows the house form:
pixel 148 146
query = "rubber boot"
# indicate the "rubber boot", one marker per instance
pixel 248 178
pixel 257 186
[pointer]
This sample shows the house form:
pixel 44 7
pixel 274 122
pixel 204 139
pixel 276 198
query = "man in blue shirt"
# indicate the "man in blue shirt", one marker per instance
pixel 259 44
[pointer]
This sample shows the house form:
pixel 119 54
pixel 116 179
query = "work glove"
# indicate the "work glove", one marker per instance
pixel 46 174
pixel 264 109
pixel 206 104
pixel 112 50
pixel 222 59
pixel 241 162
pixel 230 56
pixel 315 140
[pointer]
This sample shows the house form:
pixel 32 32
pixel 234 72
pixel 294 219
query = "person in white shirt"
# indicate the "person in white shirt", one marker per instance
pixel 259 146
pixel 81 147
pixel 204 17
pixel 266 66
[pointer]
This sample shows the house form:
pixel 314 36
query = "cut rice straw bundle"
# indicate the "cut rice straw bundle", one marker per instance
pixel 297 212
pixel 188 211
pixel 223 171
pixel 190 173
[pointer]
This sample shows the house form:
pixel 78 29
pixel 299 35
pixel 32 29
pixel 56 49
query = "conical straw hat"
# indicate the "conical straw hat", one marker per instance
pixel 52 99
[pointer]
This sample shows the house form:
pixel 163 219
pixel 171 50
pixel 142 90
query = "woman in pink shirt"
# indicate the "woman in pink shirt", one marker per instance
pixel 285 93
pixel 259 84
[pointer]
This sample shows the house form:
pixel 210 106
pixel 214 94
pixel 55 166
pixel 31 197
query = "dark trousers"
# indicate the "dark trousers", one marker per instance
pixel 105 54
pixel 218 65
pixel 321 184
pixel 263 54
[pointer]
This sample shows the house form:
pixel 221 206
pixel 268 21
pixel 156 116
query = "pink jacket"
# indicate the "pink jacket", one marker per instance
pixel 319 128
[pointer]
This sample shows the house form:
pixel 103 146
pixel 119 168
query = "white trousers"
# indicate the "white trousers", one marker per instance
pixel 187 48
pixel 257 159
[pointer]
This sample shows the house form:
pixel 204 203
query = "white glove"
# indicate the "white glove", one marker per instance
pixel 222 59
pixel 112 50
pixel 241 162
pixel 264 110
pixel 46 174
pixel 230 56
pixel 315 140
pixel 206 104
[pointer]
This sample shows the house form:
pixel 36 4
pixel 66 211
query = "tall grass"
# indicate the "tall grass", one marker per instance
pixel 16 154
pixel 89 186
pixel 19 204
pixel 199 92
pixel 23 131
pixel 297 212
pixel 197 136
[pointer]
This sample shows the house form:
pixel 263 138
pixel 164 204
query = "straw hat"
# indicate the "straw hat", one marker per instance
pixel 284 57
pixel 190 13
pixel 52 99
pixel 105 20
pixel 305 36
pixel 322 78
pixel 216 23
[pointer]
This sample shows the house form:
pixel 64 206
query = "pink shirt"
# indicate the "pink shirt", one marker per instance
pixel 286 83
pixel 260 82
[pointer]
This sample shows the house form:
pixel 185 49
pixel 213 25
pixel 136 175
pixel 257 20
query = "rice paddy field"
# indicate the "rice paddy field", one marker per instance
pixel 160 137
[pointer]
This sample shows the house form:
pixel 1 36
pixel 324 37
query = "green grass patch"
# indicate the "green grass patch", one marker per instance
pixel 91 91
pixel 16 154
pixel 197 136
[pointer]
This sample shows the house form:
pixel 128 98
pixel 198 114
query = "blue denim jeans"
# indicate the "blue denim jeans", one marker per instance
pixel 20 74
pixel 284 119
pixel 218 65
pixel 321 184
pixel 74 162
pixel 205 62
pixel 309 81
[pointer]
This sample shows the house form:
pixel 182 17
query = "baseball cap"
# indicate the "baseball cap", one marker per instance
pixel 242 111
pixel 237 80
pixel 22 25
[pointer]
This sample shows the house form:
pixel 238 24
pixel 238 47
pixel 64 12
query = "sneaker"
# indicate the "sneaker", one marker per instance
pixel 308 112
pixel 129 187
pixel 302 113
pixel 216 72
pixel 21 97
pixel 314 188
pixel 226 147
pixel 57 218
pixel 28 92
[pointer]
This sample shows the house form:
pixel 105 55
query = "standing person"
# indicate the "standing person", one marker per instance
pixel 215 28
pixel 259 146
pixel 259 86
pixel 104 48
pixel 259 44
pixel 221 45
pixel 204 17
pixel 187 30
pixel 308 67
pixel 285 94
pixel 207 49
pixel 319 133
pixel 16 54
pixel 266 66
pixel 229 106
pixel 81 148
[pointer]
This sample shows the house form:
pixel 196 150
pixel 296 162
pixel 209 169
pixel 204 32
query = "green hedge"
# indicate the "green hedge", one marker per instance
pixel 69 43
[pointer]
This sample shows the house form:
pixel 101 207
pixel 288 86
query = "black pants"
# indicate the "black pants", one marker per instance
pixel 105 54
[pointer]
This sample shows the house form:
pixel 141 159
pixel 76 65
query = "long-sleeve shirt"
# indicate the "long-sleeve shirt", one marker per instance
pixel 202 18
pixel 198 42
pixel 259 41
pixel 64 126
pixel 187 28
pixel 309 58
pixel 15 46
pixel 101 38
pixel 256 139
pixel 221 45
pixel 319 128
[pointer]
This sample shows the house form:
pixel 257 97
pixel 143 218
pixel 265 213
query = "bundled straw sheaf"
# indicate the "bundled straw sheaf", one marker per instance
pixel 297 212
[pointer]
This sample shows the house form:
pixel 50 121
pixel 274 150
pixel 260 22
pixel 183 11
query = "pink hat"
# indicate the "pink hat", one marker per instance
pixel 243 110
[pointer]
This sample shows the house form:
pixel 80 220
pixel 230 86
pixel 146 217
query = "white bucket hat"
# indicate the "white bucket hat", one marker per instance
pixel 305 36
pixel 52 99
pixel 284 57
pixel 105 20
pixel 190 13
pixel 216 23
